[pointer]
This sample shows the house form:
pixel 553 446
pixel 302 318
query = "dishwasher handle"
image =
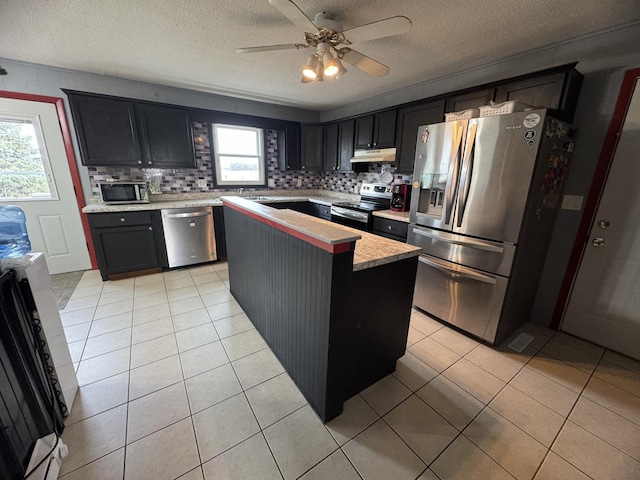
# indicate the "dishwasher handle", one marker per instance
pixel 458 270
pixel 186 214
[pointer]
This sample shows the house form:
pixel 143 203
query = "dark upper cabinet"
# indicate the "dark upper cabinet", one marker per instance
pixel 409 119
pixel 167 136
pixel 107 131
pixel 338 146
pixel 345 143
pixel 312 147
pixel 331 147
pixel 133 134
pixel 289 148
pixel 557 91
pixel 465 101
pixel 376 131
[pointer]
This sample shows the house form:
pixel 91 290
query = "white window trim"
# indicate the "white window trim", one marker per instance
pixel 44 156
pixel 262 163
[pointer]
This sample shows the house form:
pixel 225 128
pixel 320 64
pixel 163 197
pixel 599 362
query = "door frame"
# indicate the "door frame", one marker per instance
pixel 595 193
pixel 71 159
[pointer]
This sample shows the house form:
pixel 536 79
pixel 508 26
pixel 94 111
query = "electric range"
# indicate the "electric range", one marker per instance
pixel 373 196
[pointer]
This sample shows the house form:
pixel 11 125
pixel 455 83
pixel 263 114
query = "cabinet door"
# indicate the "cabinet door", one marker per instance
pixel 409 119
pixel 542 92
pixel 289 148
pixel 167 136
pixel 107 131
pixel 384 134
pixel 125 249
pixel 465 101
pixel 345 130
pixel 312 136
pixel 331 147
pixel 218 226
pixel 364 132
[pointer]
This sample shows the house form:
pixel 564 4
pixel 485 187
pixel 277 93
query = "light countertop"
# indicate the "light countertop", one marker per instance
pixel 206 202
pixel 391 215
pixel 370 250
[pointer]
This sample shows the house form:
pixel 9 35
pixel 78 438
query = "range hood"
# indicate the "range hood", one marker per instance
pixel 384 155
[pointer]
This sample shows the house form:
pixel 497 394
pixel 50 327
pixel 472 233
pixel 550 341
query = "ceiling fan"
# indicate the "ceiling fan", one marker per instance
pixel 326 35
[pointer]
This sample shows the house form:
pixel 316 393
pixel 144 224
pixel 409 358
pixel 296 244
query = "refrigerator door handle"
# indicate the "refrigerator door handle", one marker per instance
pixel 467 171
pixel 458 240
pixel 454 169
pixel 457 270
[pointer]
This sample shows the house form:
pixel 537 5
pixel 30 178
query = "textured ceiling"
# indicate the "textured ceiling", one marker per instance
pixel 191 44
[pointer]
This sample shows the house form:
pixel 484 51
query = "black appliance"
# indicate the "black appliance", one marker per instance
pixel 28 403
pixel 373 196
pixel 400 198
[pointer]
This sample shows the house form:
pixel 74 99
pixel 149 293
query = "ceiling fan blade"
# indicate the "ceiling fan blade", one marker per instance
pixel 294 14
pixel 382 28
pixel 364 63
pixel 269 48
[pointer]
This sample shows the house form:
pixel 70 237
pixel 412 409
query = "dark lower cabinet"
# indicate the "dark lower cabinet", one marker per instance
pixel 393 229
pixel 218 226
pixel 320 211
pixel 302 207
pixel 124 242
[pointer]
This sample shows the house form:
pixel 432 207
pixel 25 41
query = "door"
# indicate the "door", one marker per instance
pixel 35 176
pixel 436 173
pixel 604 306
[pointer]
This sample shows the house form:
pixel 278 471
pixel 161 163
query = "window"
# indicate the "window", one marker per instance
pixel 239 158
pixel 25 173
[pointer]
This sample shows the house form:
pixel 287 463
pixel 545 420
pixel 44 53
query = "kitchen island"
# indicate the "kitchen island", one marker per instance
pixel 333 303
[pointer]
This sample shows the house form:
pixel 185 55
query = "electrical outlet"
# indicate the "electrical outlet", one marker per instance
pixel 299 181
pixel 202 183
pixel 572 202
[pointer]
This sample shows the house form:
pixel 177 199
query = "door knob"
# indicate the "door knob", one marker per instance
pixel 598 242
pixel 603 224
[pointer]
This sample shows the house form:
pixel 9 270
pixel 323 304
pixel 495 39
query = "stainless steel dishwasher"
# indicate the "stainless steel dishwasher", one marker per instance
pixel 189 235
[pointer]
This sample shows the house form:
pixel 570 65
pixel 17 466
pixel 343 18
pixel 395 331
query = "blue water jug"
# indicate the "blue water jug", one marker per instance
pixel 14 240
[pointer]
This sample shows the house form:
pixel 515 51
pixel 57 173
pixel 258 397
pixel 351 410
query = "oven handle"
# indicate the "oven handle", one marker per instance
pixel 338 213
pixel 458 271
pixel 455 239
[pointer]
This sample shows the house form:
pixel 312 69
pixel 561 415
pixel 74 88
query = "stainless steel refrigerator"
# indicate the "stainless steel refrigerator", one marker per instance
pixel 485 196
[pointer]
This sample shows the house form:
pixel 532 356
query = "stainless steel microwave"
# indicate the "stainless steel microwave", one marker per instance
pixel 124 192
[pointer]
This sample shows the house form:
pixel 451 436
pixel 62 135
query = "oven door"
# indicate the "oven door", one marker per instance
pixel 350 218
pixel 465 297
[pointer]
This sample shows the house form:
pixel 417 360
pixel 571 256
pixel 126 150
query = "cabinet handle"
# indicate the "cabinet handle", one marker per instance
pixel 122 219
pixel 368 144
pixel 303 167
pixel 150 227
pixel 374 144
pixel 139 161
pixel 337 168
pixel 390 227
pixel 288 166
pixel 149 162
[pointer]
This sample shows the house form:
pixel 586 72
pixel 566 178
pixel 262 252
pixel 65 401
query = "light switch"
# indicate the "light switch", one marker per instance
pixel 202 183
pixel 572 202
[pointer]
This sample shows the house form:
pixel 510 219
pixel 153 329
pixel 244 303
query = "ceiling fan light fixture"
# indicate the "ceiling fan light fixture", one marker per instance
pixel 341 70
pixel 319 74
pixel 311 67
pixel 330 65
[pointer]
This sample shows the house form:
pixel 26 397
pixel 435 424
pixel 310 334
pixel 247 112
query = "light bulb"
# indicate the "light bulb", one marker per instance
pixel 309 70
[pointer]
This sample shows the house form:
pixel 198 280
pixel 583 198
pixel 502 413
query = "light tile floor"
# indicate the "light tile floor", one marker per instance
pixel 176 383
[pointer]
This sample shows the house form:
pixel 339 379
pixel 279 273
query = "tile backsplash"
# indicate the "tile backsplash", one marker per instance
pixel 181 181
